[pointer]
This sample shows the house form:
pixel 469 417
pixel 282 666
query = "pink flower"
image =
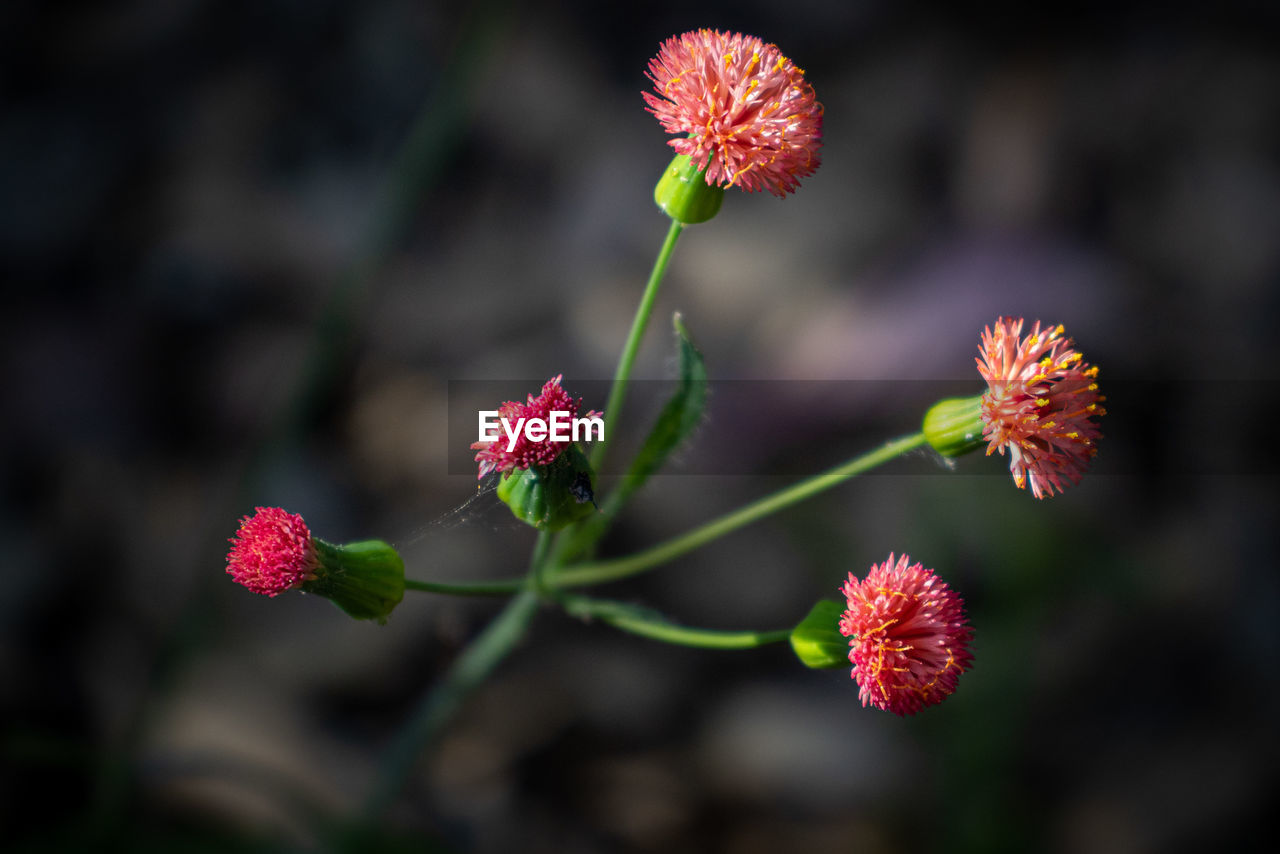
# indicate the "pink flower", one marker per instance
pixel 494 456
pixel 909 638
pixel 741 107
pixel 1040 405
pixel 272 552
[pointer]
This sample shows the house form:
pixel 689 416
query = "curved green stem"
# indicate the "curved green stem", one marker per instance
pixel 480 588
pixel 629 619
pixel 618 391
pixel 598 572
pixel 436 708
pixel 701 638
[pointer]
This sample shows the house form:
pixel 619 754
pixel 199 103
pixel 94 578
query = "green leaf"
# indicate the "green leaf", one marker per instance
pixel 611 611
pixel 678 419
pixel 676 423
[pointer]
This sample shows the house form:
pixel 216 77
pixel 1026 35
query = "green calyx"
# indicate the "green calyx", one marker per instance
pixel 954 426
pixel 817 641
pixel 365 579
pixel 553 496
pixel 684 194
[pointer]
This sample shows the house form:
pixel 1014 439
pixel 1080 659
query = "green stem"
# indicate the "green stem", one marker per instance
pixel 622 616
pixel 469 670
pixel 538 563
pixel 618 392
pixel 598 572
pixel 481 588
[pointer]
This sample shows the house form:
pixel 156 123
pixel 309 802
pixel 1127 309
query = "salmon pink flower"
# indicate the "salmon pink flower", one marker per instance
pixel 909 640
pixel 1040 405
pixel 526 453
pixel 745 113
pixel 272 552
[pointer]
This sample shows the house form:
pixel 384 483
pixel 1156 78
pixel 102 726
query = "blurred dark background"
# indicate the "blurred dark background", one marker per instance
pixel 247 246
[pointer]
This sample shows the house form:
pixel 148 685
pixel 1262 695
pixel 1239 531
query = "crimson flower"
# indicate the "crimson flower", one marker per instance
pixel 909 639
pixel 526 453
pixel 272 552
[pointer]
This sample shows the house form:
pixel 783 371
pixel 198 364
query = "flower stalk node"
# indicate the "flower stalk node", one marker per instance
pixel 954 426
pixel 553 496
pixel 684 195
pixel 817 641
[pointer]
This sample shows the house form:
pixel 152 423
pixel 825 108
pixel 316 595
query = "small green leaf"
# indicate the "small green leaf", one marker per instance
pixel 611 610
pixel 676 423
pixel 678 419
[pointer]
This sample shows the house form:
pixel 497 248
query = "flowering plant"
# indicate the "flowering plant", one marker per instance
pixel 748 119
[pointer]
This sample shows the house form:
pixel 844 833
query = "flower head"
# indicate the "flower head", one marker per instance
pixel 525 453
pixel 909 640
pixel 272 552
pixel 747 114
pixel 1040 405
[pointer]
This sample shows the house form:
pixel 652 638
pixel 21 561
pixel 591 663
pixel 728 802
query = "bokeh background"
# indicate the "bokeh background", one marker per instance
pixel 246 247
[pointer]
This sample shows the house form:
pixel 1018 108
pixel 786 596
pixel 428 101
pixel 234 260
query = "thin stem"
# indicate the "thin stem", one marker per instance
pixel 481 588
pixel 618 392
pixel 538 562
pixel 624 617
pixel 598 572
pixel 438 706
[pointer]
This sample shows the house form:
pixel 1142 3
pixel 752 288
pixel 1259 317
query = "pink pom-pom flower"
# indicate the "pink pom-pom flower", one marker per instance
pixel 909 638
pixel 744 112
pixel 1040 405
pixel 526 453
pixel 272 552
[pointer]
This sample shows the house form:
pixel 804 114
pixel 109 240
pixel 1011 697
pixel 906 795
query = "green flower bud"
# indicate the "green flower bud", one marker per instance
pixel 817 641
pixel 954 426
pixel 684 194
pixel 365 579
pixel 553 496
